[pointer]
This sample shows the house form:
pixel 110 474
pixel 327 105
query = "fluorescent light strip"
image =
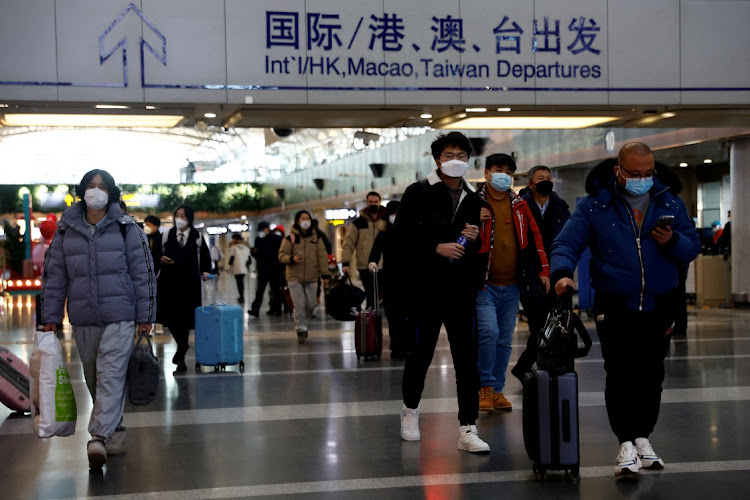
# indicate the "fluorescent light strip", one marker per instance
pixel 81 120
pixel 111 106
pixel 476 110
pixel 529 122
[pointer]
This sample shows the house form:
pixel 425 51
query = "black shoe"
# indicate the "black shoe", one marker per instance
pixel 301 337
pixel 181 367
pixel 519 371
pixel 253 314
pixel 240 300
pixel 175 360
pixel 273 313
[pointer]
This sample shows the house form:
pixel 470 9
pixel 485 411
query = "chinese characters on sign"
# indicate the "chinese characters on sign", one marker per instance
pixel 326 34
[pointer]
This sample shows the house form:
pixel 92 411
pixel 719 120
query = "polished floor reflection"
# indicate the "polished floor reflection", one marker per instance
pixel 311 421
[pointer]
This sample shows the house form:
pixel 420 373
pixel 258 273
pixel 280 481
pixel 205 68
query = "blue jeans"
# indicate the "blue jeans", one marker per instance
pixel 497 308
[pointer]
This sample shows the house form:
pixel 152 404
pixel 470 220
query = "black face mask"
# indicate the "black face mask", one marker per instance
pixel 373 208
pixel 544 188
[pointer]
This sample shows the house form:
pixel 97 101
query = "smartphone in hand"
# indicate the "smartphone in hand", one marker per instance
pixel 664 221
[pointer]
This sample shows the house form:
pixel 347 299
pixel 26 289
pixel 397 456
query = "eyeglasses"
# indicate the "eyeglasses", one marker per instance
pixel 637 176
pixel 451 156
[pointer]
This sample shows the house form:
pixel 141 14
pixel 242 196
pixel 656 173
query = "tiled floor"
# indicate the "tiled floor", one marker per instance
pixel 310 421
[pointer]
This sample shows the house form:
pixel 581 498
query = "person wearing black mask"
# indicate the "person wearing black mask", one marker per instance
pixel 550 213
pixel 359 240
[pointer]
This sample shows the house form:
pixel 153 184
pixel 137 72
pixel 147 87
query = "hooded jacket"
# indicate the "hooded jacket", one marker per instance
pixel 626 261
pixel 314 257
pixel 361 236
pixel 107 277
pixel 531 256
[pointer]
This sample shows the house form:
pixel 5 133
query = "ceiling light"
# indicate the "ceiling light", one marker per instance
pixel 707 160
pixel 111 106
pixel 529 122
pixel 426 116
pixel 476 110
pixel 150 107
pixel 683 164
pixel 209 115
pixel 3 105
pixel 668 114
pixel 504 110
pixel 78 120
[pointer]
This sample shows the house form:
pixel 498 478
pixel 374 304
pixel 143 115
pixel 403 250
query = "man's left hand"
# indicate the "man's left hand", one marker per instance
pixel 662 234
pixel 470 232
pixel 545 282
pixel 144 326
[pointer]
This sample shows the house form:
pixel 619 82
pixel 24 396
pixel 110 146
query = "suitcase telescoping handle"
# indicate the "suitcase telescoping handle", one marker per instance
pixel 210 278
pixel 376 297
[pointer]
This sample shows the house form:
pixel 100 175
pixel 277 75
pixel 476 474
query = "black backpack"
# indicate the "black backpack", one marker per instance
pixel 558 342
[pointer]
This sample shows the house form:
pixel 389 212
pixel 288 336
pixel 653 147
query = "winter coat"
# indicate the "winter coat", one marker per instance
pixel 314 257
pixel 239 257
pixel 107 277
pixel 266 253
pixel 425 220
pixel 626 261
pixel 180 283
pixel 154 244
pixel 531 256
pixel 360 237
pixel 554 218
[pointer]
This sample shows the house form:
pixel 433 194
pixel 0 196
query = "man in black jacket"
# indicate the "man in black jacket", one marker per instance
pixel 550 213
pixel 266 253
pixel 437 229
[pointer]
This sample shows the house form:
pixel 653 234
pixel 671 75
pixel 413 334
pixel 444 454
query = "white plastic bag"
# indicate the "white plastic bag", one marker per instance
pixel 53 404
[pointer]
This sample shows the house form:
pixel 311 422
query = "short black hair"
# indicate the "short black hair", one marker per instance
pixel 299 214
pixel 453 139
pixel 500 159
pixel 189 213
pixel 153 220
pixel 536 169
pixel 263 225
pixel 112 189
pixel 373 193
pixel 392 207
pixel 236 236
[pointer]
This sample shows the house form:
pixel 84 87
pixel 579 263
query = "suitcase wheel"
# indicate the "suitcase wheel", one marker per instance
pixel 197 367
pixel 573 475
pixel 223 367
pixel 242 366
pixel 216 368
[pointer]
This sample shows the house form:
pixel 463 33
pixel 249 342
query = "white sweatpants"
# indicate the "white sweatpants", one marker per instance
pixel 105 352
pixel 304 296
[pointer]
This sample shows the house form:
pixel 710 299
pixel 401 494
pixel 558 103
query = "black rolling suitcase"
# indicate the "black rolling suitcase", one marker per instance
pixel 550 395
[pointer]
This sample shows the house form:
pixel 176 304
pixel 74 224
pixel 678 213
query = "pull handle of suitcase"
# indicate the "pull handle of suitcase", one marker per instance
pixel 376 297
pixel 210 278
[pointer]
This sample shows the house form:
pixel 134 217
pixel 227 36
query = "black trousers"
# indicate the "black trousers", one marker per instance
pixel 460 323
pixel 369 285
pixel 240 279
pixel 634 345
pixel 274 280
pixel 181 334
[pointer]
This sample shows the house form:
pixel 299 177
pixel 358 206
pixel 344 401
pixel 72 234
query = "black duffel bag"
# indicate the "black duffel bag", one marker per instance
pixel 558 342
pixel 143 372
pixel 345 300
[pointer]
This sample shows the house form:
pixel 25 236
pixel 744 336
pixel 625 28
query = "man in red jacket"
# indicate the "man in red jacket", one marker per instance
pixel 512 257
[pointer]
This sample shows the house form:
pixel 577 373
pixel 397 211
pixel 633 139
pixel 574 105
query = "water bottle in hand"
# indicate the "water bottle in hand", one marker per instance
pixel 463 241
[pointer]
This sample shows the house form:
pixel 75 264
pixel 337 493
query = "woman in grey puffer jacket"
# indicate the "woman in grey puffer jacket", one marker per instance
pixel 100 261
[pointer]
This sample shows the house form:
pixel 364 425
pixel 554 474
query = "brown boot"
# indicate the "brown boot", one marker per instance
pixel 500 403
pixel 486 398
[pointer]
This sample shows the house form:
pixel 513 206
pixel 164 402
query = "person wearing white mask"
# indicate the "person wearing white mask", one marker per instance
pixel 97 262
pixel 185 260
pixel 513 259
pixel 437 233
pixel 306 260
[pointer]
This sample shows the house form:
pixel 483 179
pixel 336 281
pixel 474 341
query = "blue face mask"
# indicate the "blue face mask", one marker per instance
pixel 501 181
pixel 637 187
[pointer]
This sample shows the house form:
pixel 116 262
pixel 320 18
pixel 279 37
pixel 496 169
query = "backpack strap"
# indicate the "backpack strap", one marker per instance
pixel 123 230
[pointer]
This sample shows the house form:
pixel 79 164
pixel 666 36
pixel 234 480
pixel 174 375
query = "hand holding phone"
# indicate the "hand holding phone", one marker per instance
pixel 664 221
pixel 660 232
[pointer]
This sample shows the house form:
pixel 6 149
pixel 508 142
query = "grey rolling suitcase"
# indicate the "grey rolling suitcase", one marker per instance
pixel 550 422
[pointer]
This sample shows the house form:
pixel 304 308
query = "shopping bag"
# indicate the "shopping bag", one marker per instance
pixel 143 372
pixel 53 404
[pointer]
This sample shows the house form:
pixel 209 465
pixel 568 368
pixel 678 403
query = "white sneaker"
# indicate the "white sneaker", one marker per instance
pixel 649 458
pixel 97 453
pixel 410 424
pixel 469 440
pixel 627 460
pixel 115 441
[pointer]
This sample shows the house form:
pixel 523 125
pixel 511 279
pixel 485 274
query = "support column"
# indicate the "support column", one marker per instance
pixel 739 171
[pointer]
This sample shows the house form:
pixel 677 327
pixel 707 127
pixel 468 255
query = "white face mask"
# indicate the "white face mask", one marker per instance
pixel 180 223
pixel 147 230
pixel 95 198
pixel 392 218
pixel 454 168
pixel 305 225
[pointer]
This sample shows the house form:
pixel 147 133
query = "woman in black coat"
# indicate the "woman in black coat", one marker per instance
pixel 185 261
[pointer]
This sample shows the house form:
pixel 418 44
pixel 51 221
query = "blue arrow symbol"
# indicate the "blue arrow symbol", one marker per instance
pixel 103 55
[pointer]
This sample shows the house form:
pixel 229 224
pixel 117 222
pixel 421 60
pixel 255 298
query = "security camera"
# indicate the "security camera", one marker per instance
pixel 367 137
pixel 282 132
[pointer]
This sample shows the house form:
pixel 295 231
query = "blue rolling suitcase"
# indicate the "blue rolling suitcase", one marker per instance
pixel 218 335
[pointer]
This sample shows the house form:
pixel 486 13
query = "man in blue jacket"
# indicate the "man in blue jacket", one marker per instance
pixel 635 269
